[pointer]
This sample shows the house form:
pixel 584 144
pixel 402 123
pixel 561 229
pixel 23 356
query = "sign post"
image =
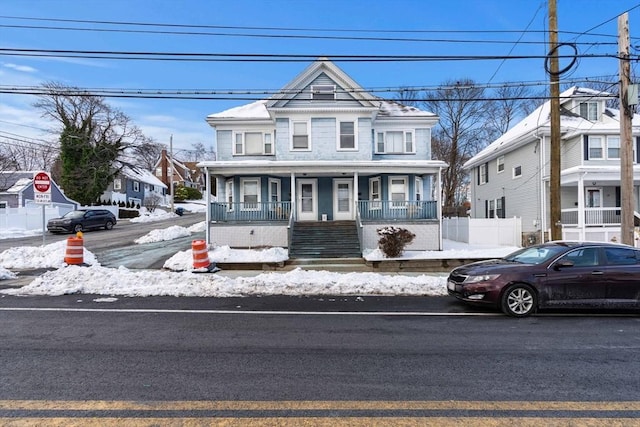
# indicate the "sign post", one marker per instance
pixel 42 195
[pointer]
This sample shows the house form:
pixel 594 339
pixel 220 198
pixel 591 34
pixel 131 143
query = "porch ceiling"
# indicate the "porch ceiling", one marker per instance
pixel 324 168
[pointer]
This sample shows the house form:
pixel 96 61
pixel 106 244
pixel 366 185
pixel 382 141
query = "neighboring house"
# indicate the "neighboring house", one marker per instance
pixel 511 176
pixel 197 176
pixel 134 185
pixel 16 190
pixel 323 151
pixel 183 174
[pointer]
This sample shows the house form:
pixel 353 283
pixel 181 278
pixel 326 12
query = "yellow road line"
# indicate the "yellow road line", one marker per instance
pixel 124 405
pixel 323 422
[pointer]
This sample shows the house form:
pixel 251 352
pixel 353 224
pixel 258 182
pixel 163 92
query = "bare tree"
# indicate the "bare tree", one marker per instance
pixel 408 96
pixel 146 153
pixel 508 105
pixel 28 156
pixel 93 136
pixel 460 133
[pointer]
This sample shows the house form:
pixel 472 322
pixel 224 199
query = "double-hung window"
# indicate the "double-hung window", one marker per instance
pixel 300 139
pixel 250 193
pixel 613 147
pixel 395 142
pixel 347 136
pixel 589 111
pixel 500 164
pixel 482 174
pixel 117 184
pixel 253 143
pixel 136 186
pixel 595 147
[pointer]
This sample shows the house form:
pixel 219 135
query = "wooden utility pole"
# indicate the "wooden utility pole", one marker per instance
pixel 626 144
pixel 554 165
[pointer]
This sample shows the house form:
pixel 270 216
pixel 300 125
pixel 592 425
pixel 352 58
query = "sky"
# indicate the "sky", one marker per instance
pixel 178 277
pixel 322 28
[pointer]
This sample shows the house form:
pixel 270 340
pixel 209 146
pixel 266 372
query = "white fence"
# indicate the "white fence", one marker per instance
pixel 483 231
pixel 29 218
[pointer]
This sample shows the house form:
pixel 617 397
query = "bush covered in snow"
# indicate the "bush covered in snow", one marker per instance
pixel 393 240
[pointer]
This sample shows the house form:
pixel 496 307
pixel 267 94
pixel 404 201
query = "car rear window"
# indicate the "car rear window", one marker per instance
pixel 621 256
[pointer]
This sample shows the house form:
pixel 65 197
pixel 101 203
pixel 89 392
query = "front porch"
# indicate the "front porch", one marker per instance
pixel 595 224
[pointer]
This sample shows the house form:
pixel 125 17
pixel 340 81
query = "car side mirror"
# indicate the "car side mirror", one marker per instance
pixel 563 264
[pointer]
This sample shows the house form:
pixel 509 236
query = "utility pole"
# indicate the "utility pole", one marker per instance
pixel 554 165
pixel 626 144
pixel 171 170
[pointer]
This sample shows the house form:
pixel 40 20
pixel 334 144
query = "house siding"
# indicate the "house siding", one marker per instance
pixel 303 99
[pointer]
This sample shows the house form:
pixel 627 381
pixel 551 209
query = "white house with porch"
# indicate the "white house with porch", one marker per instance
pixel 511 176
pixel 319 156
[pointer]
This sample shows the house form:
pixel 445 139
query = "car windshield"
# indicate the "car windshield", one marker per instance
pixel 74 214
pixel 535 254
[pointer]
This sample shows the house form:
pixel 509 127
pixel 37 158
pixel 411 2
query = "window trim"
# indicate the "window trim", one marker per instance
pixel 258 182
pixel 514 170
pixel 308 135
pixel 372 200
pixel 601 147
pixel 482 174
pixel 588 116
pixel 229 188
pixel 326 92
pixel 608 148
pixel 384 141
pixel 243 142
pixel 339 146
pixel 278 183
pixel 390 180
pixel 419 187
pixel 117 184
pixel 500 162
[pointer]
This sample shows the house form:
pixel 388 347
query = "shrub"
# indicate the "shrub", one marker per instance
pixel 393 240
pixel 187 193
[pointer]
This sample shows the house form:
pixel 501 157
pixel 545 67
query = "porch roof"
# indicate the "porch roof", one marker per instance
pixel 324 168
pixel 598 174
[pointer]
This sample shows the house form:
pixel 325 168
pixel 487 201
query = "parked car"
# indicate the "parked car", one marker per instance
pixel 553 275
pixel 82 220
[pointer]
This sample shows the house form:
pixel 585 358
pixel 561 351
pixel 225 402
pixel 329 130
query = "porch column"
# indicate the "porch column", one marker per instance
pixel 293 196
pixel 439 206
pixel 355 193
pixel 581 212
pixel 207 216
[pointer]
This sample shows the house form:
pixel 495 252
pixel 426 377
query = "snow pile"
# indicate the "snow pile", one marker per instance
pixel 183 260
pixel 6 274
pixel 13 233
pixel 33 257
pixel 106 281
pixel 157 215
pixel 170 233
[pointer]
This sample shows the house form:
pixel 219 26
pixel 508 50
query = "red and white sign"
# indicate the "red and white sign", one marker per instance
pixel 42 187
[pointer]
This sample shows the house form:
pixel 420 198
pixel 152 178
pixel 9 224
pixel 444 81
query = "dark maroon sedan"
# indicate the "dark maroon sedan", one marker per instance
pixel 553 275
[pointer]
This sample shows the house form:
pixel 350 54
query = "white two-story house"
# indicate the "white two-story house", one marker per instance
pixel 322 151
pixel 510 178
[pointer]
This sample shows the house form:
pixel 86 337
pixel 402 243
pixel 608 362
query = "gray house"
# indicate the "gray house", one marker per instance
pixel 319 156
pixel 510 178
pixel 16 190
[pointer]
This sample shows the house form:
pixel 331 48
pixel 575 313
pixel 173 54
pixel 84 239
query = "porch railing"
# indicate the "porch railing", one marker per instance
pixel 397 210
pixel 262 211
pixel 593 217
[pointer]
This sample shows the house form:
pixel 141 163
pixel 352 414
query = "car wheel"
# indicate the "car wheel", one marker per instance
pixel 77 228
pixel 108 225
pixel 519 300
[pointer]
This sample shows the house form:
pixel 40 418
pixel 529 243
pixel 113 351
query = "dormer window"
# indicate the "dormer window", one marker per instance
pixel 589 111
pixel 323 92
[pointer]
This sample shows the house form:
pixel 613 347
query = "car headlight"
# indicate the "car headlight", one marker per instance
pixel 480 278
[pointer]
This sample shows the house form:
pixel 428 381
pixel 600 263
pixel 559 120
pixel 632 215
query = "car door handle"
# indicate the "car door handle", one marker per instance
pixel 597 273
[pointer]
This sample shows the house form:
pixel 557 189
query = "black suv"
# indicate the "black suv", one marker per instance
pixel 81 220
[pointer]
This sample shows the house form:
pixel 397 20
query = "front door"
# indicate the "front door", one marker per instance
pixel 343 199
pixel 593 213
pixel 307 200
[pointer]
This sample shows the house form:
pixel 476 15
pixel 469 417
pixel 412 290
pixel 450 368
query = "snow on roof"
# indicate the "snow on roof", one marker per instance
pixel 255 110
pixel 258 110
pixel 541 117
pixel 20 185
pixel 141 175
pixel 395 109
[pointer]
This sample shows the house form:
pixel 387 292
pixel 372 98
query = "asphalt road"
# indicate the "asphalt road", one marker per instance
pixel 413 357
pixel 116 247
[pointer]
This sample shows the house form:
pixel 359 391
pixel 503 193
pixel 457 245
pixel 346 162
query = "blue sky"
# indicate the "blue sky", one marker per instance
pixel 185 119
